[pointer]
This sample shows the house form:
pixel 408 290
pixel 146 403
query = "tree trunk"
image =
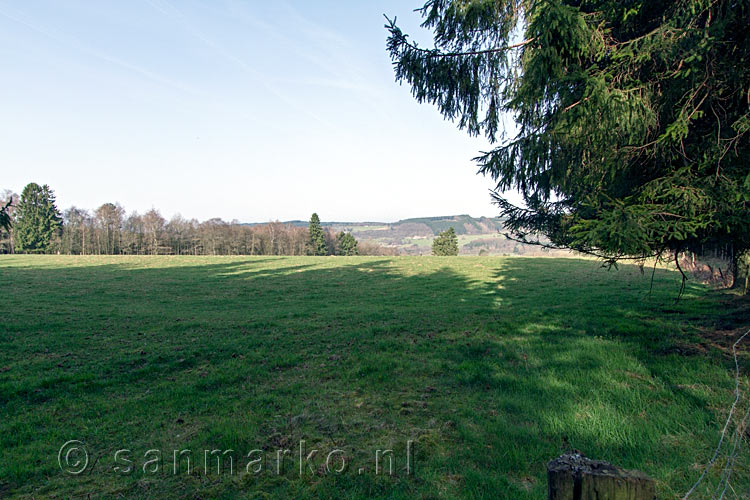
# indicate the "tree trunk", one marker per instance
pixel 741 271
pixel 575 477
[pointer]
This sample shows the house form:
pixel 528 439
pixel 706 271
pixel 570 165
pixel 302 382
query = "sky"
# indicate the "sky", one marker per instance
pixel 244 110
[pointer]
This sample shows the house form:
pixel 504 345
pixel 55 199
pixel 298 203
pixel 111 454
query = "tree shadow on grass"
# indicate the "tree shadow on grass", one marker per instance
pixel 492 366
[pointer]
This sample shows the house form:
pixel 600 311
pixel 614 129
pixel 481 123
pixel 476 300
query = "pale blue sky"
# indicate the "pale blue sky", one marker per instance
pixel 243 110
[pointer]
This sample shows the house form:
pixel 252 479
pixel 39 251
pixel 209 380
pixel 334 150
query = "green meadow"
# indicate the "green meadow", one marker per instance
pixel 474 371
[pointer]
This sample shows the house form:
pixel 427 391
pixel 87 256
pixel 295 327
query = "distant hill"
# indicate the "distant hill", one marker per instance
pixel 463 224
pixel 476 235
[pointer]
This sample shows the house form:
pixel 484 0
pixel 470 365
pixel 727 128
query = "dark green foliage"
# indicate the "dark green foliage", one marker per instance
pixel 632 116
pixel 8 202
pixel 316 242
pixel 5 222
pixel 446 243
pixel 37 219
pixel 347 244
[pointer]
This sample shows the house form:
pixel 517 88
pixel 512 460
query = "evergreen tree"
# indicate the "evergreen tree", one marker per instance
pixel 316 242
pixel 633 117
pixel 37 219
pixel 5 221
pixel 446 243
pixel 347 244
pixel 8 203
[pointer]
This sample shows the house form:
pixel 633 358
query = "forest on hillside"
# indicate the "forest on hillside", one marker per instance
pixel 110 230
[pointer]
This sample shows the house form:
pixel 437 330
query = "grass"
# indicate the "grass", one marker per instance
pixel 490 366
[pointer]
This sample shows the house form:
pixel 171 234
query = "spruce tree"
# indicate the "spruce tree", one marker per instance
pixel 446 243
pixel 632 117
pixel 37 219
pixel 347 244
pixel 316 241
pixel 5 220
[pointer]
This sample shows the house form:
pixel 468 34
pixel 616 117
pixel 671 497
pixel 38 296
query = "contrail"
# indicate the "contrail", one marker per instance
pixel 100 55
pixel 257 76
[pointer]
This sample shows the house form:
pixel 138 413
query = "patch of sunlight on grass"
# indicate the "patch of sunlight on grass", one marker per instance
pixel 492 365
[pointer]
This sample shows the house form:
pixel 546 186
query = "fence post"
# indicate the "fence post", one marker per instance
pixel 575 477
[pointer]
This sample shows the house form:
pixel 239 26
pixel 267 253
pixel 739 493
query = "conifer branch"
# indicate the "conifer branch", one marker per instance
pixel 401 41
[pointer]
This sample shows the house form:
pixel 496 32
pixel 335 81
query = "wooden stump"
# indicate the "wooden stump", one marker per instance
pixel 575 477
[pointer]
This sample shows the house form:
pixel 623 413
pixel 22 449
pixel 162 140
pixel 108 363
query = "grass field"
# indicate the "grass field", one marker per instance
pixel 489 366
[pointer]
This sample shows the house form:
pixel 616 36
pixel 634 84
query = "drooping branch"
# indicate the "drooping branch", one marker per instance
pixel 609 259
pixel 399 40
pixel 616 151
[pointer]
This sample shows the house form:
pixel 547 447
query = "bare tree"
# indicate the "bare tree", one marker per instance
pixel 109 231
pixel 153 225
pixel 109 224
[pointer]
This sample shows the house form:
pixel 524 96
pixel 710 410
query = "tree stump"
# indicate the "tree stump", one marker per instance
pixel 575 477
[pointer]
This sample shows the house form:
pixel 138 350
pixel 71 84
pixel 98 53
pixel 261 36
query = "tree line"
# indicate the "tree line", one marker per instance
pixel 32 223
